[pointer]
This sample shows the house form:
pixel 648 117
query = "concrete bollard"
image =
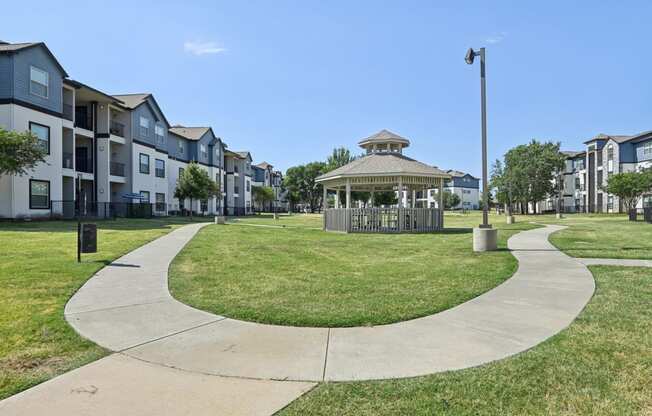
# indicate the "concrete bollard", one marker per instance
pixel 559 215
pixel 219 219
pixel 485 239
pixel 509 219
pixel 275 216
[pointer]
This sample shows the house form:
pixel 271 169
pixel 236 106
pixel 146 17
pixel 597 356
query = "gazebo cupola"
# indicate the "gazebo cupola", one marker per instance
pixel 384 142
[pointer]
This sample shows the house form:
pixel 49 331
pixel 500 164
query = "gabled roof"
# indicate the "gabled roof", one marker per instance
pixel 231 153
pixel 615 138
pixel 264 165
pixel 646 135
pixel 458 174
pixel 572 153
pixel 190 133
pixel 384 164
pixel 243 154
pixel 6 47
pixel 132 101
pixel 384 136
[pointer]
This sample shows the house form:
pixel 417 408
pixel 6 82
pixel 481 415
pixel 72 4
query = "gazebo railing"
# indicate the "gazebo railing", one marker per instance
pixel 383 220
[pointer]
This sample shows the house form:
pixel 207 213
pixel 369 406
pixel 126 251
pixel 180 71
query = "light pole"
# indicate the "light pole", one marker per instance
pixel 485 238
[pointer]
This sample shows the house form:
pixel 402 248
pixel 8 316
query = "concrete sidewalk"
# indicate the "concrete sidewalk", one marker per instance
pixel 127 308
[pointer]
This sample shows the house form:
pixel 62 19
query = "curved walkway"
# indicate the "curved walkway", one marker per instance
pixel 127 308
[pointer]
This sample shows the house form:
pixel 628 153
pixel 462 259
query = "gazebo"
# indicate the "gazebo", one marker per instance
pixel 384 168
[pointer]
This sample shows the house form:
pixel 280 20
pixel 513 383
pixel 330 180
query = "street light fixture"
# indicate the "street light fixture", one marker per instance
pixel 485 237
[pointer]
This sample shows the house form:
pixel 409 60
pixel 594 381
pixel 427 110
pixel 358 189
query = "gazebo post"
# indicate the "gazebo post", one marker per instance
pixel 414 198
pixel 348 205
pixel 372 196
pixel 325 199
pixel 337 197
pixel 441 203
pixel 400 204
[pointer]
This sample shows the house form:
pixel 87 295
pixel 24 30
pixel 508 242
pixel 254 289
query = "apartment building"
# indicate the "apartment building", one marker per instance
pixel 110 153
pixel 464 185
pixel 263 174
pixel 581 184
pixel 200 145
pixel 237 200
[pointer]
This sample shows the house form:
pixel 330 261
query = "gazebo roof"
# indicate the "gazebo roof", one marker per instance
pixel 382 137
pixel 383 164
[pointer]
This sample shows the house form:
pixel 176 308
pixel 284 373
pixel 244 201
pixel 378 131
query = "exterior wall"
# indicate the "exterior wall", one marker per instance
pixel 7 78
pixel 469 197
pixel 149 182
pixel 147 111
pixel 37 57
pixel 16 199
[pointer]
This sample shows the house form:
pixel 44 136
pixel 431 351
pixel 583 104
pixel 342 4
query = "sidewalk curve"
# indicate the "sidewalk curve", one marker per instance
pixel 127 308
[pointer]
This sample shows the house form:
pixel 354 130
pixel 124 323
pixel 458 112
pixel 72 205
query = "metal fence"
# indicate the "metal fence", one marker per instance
pixel 383 220
pixel 101 210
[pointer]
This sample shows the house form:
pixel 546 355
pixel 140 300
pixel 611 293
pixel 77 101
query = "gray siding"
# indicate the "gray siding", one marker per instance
pixel 173 147
pixel 6 76
pixel 462 183
pixel 37 57
pixel 627 153
pixel 148 112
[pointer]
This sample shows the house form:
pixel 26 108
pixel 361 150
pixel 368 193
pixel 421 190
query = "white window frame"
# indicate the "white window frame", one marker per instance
pixel 160 138
pixel 202 149
pixel 33 69
pixel 647 149
pixel 180 146
pixel 144 124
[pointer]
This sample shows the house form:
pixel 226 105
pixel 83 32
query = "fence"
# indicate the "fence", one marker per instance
pixel 383 220
pixel 100 210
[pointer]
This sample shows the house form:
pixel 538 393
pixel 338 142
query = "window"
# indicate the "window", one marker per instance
pixel 159 168
pixel 160 202
pixel 647 201
pixel 144 163
pixel 160 134
pixel 144 127
pixel 599 152
pixel 202 149
pixel 247 186
pixel 144 196
pixel 43 134
pixel 610 158
pixel 180 146
pixel 599 178
pixel 39 194
pixel 39 82
pixel 236 189
pixel 647 149
pixel 204 205
pixel 235 168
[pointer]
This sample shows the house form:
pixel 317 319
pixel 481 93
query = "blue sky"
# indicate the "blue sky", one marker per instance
pixel 289 80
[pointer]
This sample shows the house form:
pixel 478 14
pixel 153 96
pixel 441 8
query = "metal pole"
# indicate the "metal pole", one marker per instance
pixel 78 209
pixel 483 97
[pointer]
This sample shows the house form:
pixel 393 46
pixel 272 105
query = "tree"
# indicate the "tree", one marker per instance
pixel 385 198
pixel 529 171
pixel 500 185
pixel 20 152
pixel 340 157
pixel 629 187
pixel 300 183
pixel 194 183
pixel 450 200
pixel 262 194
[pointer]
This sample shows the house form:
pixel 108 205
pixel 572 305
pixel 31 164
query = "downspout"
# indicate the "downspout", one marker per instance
pixel 95 177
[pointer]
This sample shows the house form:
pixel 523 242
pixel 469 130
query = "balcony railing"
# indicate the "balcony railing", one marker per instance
pixel 117 129
pixel 67 161
pixel 67 111
pixel 117 169
pixel 83 119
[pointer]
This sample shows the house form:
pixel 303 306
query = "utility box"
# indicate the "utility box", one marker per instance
pixel 88 238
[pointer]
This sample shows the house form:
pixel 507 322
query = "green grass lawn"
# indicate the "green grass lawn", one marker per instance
pixel 38 274
pixel 600 365
pixel 306 277
pixel 602 236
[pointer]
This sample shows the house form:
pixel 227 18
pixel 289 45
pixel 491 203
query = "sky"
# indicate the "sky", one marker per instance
pixel 291 80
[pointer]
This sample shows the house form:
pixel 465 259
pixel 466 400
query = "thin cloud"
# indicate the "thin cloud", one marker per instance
pixel 492 40
pixel 202 48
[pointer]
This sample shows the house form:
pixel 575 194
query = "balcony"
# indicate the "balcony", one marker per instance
pixel 83 119
pixel 67 161
pixel 84 164
pixel 117 169
pixel 67 112
pixel 117 129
